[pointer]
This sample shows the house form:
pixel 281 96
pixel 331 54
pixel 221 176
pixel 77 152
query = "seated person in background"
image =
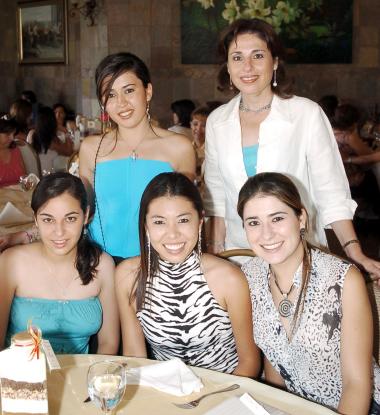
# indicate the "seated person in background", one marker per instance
pixel 63 282
pixel 312 317
pixel 187 305
pixel 30 96
pixel 329 104
pixel 11 163
pixel 198 129
pixel 65 125
pixel 362 182
pixel 52 149
pixel 21 112
pixel 181 112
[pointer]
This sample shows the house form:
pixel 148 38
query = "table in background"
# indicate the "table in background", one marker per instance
pixel 21 200
pixel 67 390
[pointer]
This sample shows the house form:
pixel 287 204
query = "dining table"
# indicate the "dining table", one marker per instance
pixel 20 199
pixel 67 392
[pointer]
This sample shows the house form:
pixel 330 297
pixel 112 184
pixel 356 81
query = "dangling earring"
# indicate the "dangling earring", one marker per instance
pixel 199 245
pixel 149 255
pixel 275 78
pixel 302 233
pixel 147 111
pixel 231 84
pixel 85 231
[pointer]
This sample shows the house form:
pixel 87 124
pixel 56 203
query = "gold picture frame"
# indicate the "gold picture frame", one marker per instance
pixel 42 31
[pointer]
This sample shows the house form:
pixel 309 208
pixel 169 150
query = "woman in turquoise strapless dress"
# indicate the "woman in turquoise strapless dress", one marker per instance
pixel 63 283
pixel 117 166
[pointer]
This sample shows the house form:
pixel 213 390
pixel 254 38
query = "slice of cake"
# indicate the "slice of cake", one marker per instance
pixel 23 378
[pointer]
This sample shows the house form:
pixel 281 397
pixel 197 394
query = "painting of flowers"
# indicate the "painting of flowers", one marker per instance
pixel 312 31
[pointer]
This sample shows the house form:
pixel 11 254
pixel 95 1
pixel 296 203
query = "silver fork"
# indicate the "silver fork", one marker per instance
pixel 195 402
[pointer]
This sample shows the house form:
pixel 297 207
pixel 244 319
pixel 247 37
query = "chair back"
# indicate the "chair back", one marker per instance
pixel 236 252
pixel 30 158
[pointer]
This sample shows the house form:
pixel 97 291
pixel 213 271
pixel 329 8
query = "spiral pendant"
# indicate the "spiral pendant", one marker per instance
pixel 285 308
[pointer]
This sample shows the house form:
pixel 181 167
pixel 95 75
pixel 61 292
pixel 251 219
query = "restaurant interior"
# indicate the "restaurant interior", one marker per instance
pixel 60 89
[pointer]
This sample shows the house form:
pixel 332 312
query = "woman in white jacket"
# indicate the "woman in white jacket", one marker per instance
pixel 264 128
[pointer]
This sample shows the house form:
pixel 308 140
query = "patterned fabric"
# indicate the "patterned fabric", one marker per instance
pixel 310 363
pixel 67 324
pixel 181 318
pixel 10 173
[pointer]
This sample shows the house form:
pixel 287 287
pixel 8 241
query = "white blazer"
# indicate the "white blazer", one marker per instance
pixel 295 139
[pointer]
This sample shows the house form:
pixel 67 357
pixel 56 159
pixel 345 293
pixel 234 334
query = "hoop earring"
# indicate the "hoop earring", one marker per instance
pixel 149 256
pixel 199 245
pixel 275 78
pixel 147 111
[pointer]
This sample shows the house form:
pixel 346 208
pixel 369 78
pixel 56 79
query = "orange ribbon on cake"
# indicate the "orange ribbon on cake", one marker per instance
pixel 36 334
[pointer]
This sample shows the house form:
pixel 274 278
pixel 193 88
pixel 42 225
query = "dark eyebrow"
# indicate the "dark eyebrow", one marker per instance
pixel 52 216
pixel 271 215
pixel 178 216
pixel 253 51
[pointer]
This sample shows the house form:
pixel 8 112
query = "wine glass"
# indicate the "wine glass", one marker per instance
pixel 106 384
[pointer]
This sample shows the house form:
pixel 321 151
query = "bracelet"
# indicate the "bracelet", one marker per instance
pixel 352 241
pixel 32 237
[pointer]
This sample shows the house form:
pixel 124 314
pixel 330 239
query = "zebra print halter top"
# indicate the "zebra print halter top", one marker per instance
pixel 181 318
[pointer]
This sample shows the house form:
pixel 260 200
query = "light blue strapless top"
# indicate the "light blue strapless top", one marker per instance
pixel 67 324
pixel 250 159
pixel 119 185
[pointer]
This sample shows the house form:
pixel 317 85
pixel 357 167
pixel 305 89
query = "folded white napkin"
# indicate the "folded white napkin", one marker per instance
pixel 10 215
pixel 171 376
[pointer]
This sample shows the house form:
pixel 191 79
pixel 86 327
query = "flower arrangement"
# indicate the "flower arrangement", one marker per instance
pixel 277 13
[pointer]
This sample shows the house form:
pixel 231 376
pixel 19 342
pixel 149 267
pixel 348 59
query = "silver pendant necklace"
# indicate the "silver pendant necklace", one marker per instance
pixel 243 108
pixel 285 307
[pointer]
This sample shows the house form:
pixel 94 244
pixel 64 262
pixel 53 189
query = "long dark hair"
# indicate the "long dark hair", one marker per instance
pixel 21 111
pixel 183 108
pixel 282 188
pixel 45 131
pixel 165 184
pixel 54 185
pixel 265 32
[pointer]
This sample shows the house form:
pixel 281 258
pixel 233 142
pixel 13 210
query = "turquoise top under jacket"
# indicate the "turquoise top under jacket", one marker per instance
pixel 250 159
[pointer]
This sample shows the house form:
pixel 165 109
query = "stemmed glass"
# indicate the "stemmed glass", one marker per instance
pixel 106 384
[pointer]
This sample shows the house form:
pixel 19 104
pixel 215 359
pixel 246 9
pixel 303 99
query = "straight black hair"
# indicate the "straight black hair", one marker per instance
pixel 165 184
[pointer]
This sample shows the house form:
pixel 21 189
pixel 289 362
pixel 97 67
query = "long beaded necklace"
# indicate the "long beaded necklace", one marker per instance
pixel 285 307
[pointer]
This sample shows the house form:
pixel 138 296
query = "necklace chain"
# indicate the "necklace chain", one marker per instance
pixel 243 108
pixel 63 288
pixel 285 307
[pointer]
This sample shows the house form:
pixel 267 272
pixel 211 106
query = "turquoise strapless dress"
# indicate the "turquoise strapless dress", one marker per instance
pixel 119 185
pixel 67 324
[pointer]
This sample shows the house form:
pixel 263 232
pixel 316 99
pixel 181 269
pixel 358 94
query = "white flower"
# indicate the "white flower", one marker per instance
pixel 231 11
pixel 206 4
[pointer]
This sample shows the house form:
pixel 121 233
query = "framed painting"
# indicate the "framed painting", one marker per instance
pixel 312 31
pixel 42 31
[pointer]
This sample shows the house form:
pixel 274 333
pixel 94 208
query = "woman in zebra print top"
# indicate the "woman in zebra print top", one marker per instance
pixel 184 304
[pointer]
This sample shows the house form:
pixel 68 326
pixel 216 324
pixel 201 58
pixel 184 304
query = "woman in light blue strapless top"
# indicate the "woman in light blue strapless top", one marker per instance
pixel 118 165
pixel 64 283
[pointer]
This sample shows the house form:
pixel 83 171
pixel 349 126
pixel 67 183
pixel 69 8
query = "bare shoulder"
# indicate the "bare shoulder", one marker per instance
pixel 20 259
pixel 106 263
pixel 126 273
pixel 216 268
pixel 353 282
pixel 90 144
